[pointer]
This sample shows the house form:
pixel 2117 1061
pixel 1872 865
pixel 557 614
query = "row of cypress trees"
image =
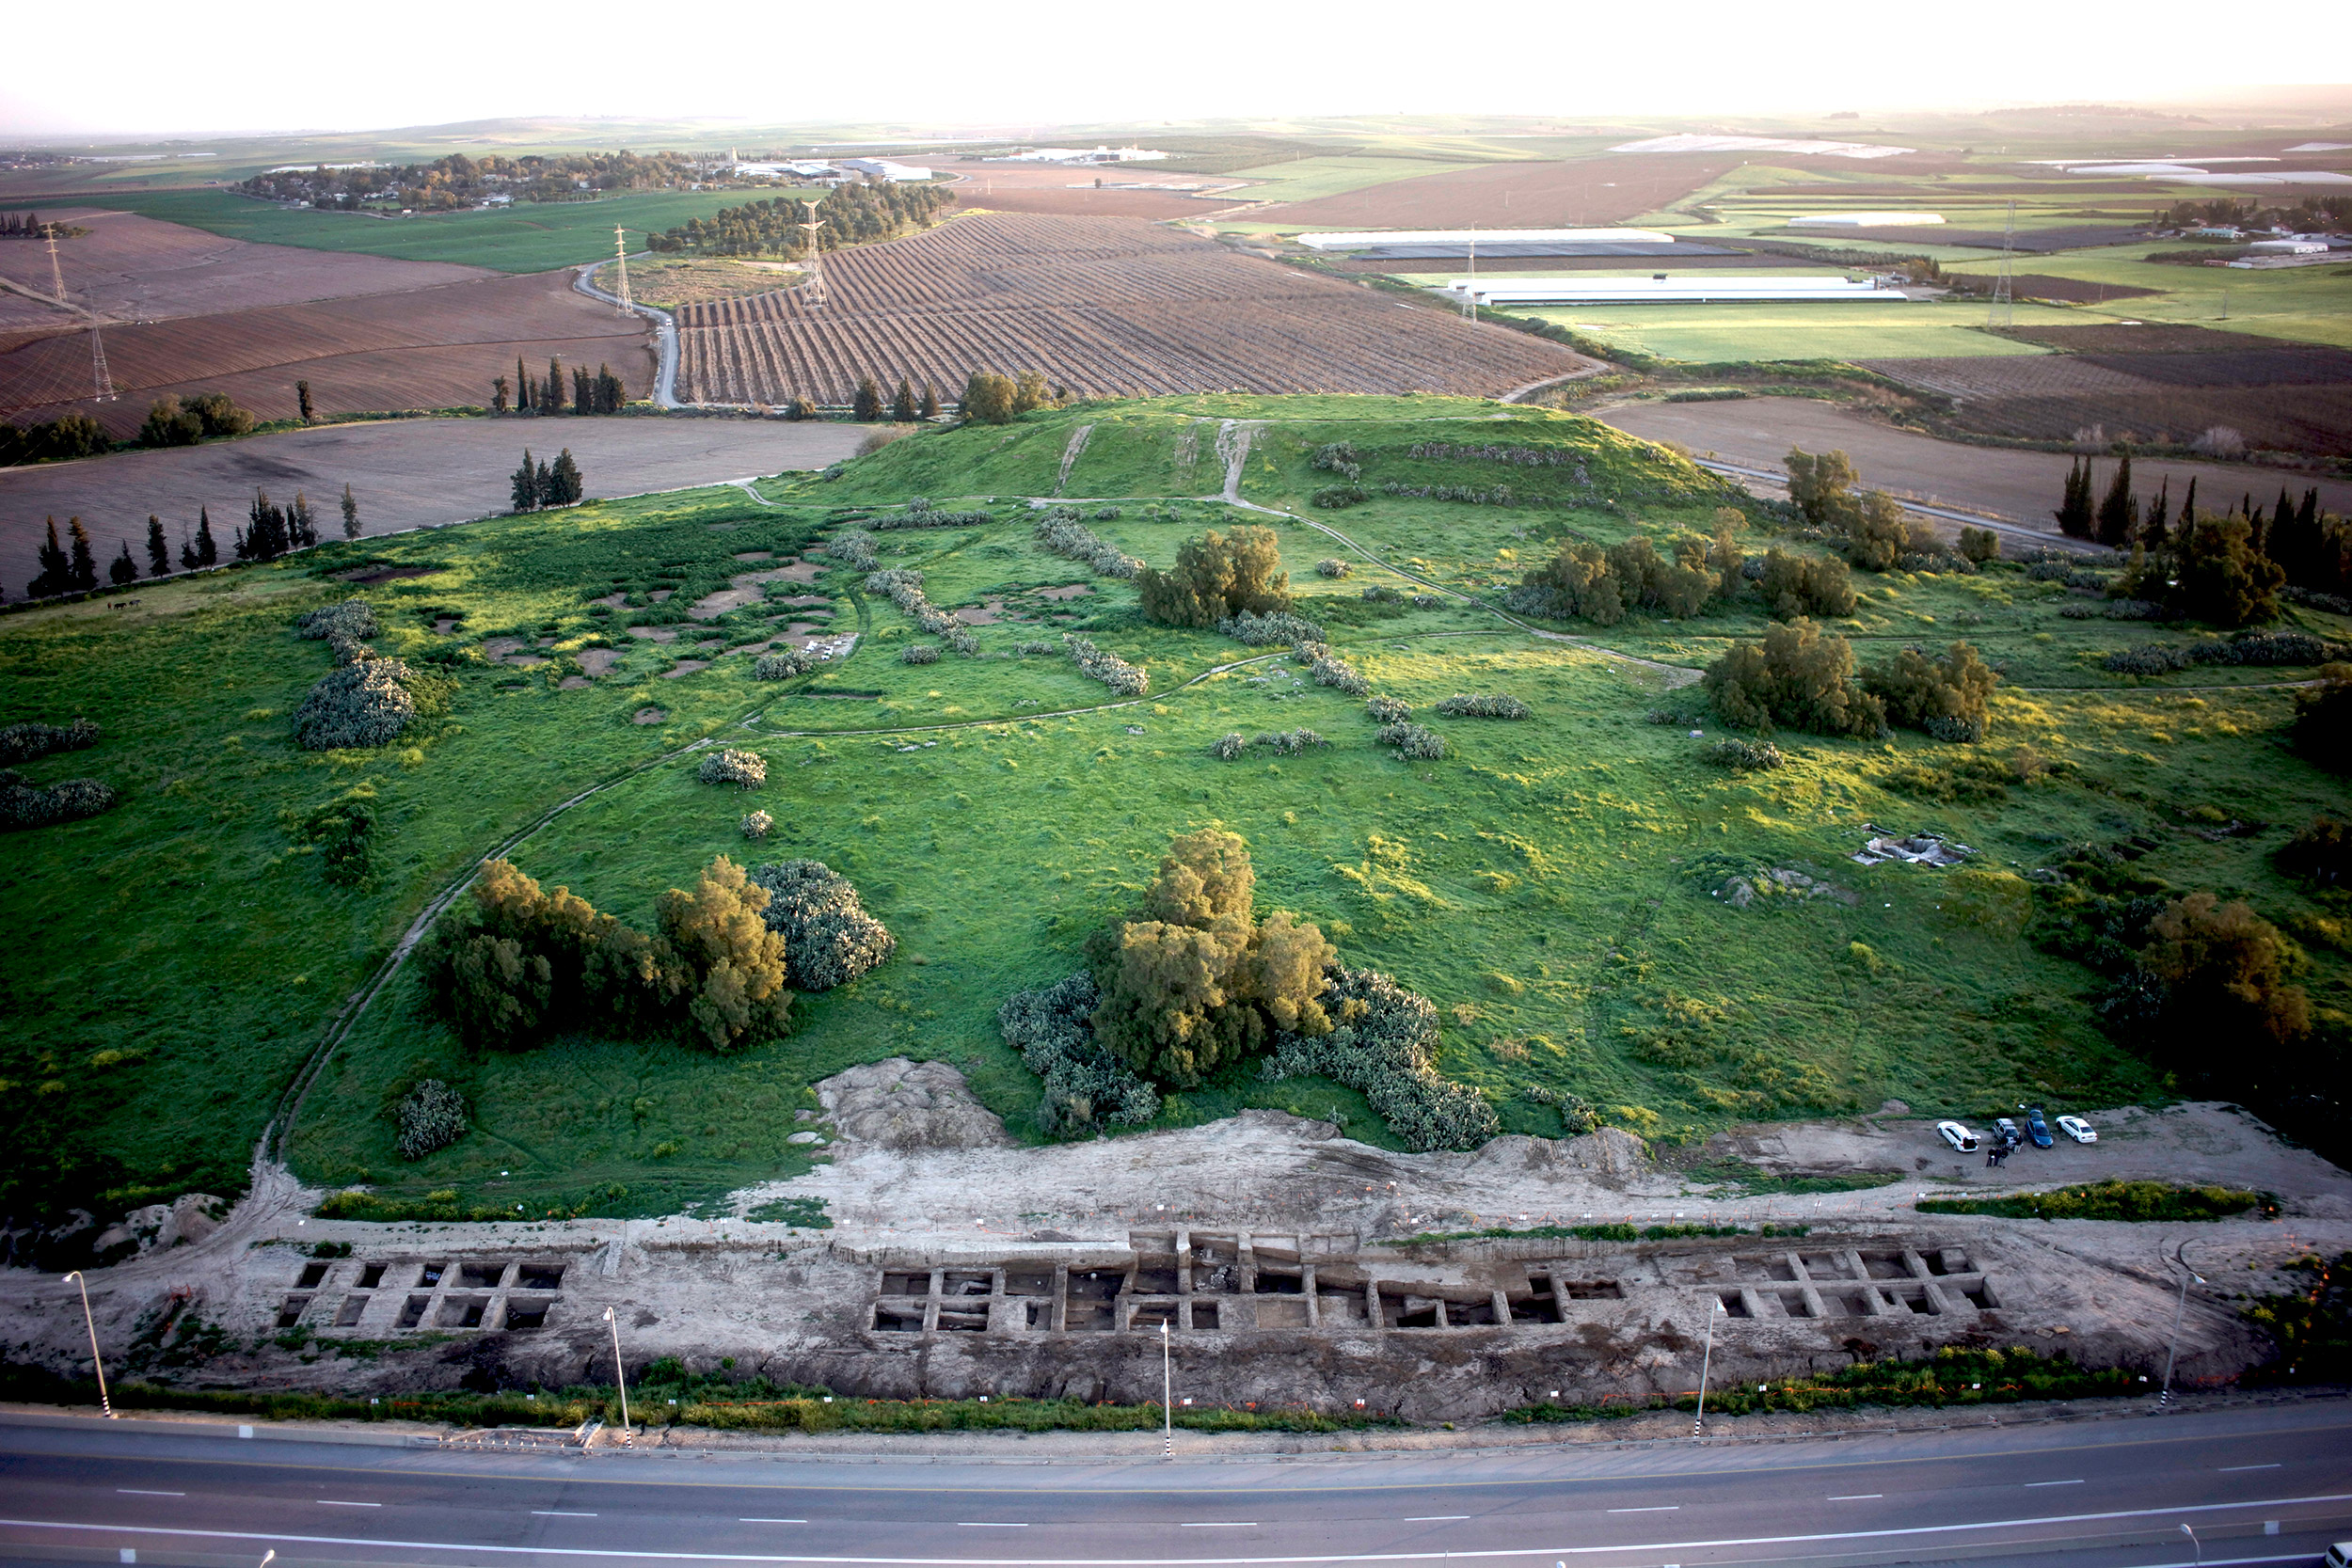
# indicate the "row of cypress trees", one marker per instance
pixel 600 393
pixel 271 531
pixel 2312 549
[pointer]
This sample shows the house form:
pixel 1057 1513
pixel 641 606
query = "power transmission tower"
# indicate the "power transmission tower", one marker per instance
pixel 814 293
pixel 1469 293
pixel 620 260
pixel 2003 311
pixel 101 382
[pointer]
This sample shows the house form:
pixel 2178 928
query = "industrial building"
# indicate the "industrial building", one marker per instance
pixel 1708 289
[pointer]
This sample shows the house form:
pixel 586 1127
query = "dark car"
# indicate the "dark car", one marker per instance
pixel 2006 1130
pixel 2038 1126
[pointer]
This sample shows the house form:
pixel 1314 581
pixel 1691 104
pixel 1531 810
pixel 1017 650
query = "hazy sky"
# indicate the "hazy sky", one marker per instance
pixel 150 68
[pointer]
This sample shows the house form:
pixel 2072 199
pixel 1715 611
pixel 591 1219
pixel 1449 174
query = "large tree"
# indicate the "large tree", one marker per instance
pixel 351 514
pixel 1216 577
pixel 523 485
pixel 158 548
pixel 2118 511
pixel 123 569
pixel 82 565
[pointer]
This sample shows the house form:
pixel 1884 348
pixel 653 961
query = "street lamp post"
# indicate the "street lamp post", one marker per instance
pixel 2172 1351
pixel 1715 1305
pixel 103 1402
pixel 2195 1544
pixel 1167 1391
pixel 620 1374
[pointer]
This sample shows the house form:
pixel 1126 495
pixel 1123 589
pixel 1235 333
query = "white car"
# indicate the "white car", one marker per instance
pixel 1961 1140
pixel 2077 1129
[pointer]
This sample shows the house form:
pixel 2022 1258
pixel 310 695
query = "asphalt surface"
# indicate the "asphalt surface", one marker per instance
pixel 2093 1493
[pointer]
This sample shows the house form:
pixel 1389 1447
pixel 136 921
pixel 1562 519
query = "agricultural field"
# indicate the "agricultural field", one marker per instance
pixel 1742 332
pixel 1552 884
pixel 436 347
pixel 1069 191
pixel 129 268
pixel 1103 306
pixel 668 283
pixel 534 237
pixel 1601 190
pixel 1312 178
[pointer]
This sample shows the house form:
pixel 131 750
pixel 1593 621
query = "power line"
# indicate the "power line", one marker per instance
pixel 813 292
pixel 102 382
pixel 2003 311
pixel 620 259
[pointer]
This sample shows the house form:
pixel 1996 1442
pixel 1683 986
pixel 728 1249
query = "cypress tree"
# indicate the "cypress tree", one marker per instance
pixel 351 514
pixel 2119 514
pixel 931 404
pixel 302 523
pixel 583 393
pixel 2152 532
pixel 552 394
pixel 82 568
pixel 207 552
pixel 526 485
pixel 903 406
pixel 609 398
pixel 544 483
pixel 2189 504
pixel 498 395
pixel 569 485
pixel 56 568
pixel 158 548
pixel 123 569
pixel 2074 515
pixel 302 397
pixel 868 405
pixel 522 386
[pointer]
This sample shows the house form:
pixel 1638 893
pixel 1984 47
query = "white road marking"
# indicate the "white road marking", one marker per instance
pixel 2075 1482
pixel 1434 1518
pixel 1660 1508
pixel 1858 1497
pixel 2232 1469
pixel 331 1503
pixel 1217 1524
pixel 139 1492
pixel 990 1523
pixel 558 1514
pixel 772 1521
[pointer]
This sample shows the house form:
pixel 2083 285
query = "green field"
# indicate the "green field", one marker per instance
pixel 1550 885
pixel 1827 329
pixel 1305 178
pixel 534 237
pixel 2311 305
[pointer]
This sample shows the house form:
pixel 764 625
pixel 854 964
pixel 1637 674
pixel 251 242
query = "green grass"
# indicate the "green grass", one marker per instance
pixel 2309 305
pixel 1548 885
pixel 1827 329
pixel 528 237
pixel 2138 1201
pixel 1305 178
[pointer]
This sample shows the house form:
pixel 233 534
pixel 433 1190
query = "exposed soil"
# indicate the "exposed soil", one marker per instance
pixel 647 716
pixel 805 601
pixel 1602 190
pixel 498 647
pixel 754 555
pixel 572 683
pixel 596 661
pixel 654 634
pixel 386 574
pixel 686 667
pixel 1049 188
pixel 980 614
pixel 1067 591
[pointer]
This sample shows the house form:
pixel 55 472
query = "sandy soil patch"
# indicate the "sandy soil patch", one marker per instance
pixel 659 594
pixel 615 599
pixel 647 716
pixel 1068 590
pixel 498 647
pixel 444 625
pixel 654 634
pixel 572 683
pixel 686 667
pixel 805 601
pixel 754 555
pixel 743 589
pixel 799 571
pixel 596 661
pixel 980 614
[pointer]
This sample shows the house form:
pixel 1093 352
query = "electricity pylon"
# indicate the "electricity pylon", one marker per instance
pixel 814 291
pixel 2003 311
pixel 620 260
pixel 102 382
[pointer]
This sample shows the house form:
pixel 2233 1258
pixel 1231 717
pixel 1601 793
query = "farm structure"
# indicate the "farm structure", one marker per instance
pixel 2164 386
pixel 1665 290
pixel 415 348
pixel 1101 306
pixel 129 268
pixel 1519 194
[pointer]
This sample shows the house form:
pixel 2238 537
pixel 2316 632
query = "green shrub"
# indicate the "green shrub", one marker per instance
pixel 366 703
pixel 1388 710
pixel 1946 697
pixel 1329 668
pixel 1744 755
pixel 2224 973
pixel 342 831
pixel 744 769
pixel 1124 679
pixel 829 938
pixel 1339 498
pixel 1084 1083
pixel 757 825
pixel 351 621
pixel 1217 577
pixel 1331 566
pixel 1797 678
pixel 1496 705
pixel 1288 743
pixel 1979 545
pixel 2137 1201
pixel 1382 1042
pixel 2323 720
pixel 432 1116
pixel 24 804
pixel 1260 631
pixel 1795 586
pixel 1060 533
pixel 1413 742
pixel 28 742
pixel 854 548
pixel 2320 852
pixel 921 652
pixel 783 664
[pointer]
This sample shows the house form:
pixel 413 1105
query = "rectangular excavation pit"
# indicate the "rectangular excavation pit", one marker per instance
pixel 527 1313
pixel 1916 1301
pixel 1208 1251
pixel 1470 1314
pixel 1150 1317
pixel 1950 1259
pixel 1592 1290
pixel 412 1312
pixel 1281 1282
pixel 1282 1312
pixel 894 1317
pixel 1089 1317
pixel 479 1276
pixel 1156 1281
pixel 1846 1304
pixel 1533 1309
pixel 964 1319
pixel 370 1276
pixel 539 1277
pixel 314 1275
pixel 1216 1279
pixel 1204 1316
pixel 1886 1265
pixel 1096 1284
pixel 462 1311
pixel 1823 1265
pixel 1980 1295
pixel 1793 1304
pixel 1039 1313
pixel 349 1313
pixel 430 1275
pixel 1028 1284
pixel 1735 1304
pixel 1345 1306
pixel 906 1284
pixel 289 1313
pixel 965 1283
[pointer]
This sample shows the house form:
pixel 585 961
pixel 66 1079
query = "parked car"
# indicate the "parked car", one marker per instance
pixel 2038 1126
pixel 2078 1130
pixel 1961 1140
pixel 2007 1132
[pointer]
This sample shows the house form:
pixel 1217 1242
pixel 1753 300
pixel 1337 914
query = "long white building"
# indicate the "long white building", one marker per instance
pixel 1696 289
pixel 1485 236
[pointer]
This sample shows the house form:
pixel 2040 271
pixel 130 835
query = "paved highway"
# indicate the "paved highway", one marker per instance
pixel 2265 1486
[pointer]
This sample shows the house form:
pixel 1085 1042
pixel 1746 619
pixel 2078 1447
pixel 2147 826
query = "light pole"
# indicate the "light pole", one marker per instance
pixel 2197 1546
pixel 103 1402
pixel 1714 1306
pixel 620 1374
pixel 1168 1390
pixel 2172 1351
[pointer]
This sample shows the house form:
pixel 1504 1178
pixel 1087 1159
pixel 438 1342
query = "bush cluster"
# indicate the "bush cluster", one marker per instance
pixel 1428 601
pixel 1491 706
pixel 1800 585
pixel 1524 457
pixel 829 938
pixel 1341 458
pixel 1227 747
pixel 1085 1083
pixel 1217 577
pixel 1744 755
pixel 1339 498
pixel 2323 719
pixel 2251 648
pixel 921 514
pixel 2320 852
pixel 1585 581
pixel 1329 668
pixel 1945 697
pixel 1194 980
pixel 1800 679
pixel 1288 743
pixel 516 965
pixel 1060 533
pixel 854 548
pixel 342 831
pixel 1124 679
pixel 783 664
pixel 24 805
pixel 1499 496
pixel 351 621
pixel 1388 710
pixel 1383 1043
pixel 2136 1201
pixel 26 742
pixel 1331 566
pixel 904 585
pixel 757 825
pixel 744 769
pixel 1413 742
pixel 367 702
pixel 921 652
pixel 1265 632
pixel 432 1116
pixel 206 415
pixel 1380 593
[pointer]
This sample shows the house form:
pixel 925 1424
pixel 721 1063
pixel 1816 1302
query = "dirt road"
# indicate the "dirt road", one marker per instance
pixel 2019 486
pixel 405 473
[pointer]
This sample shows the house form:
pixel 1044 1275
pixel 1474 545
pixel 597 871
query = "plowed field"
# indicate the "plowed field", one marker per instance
pixel 132 269
pixel 1513 196
pixel 1069 191
pixel 1103 306
pixel 421 348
